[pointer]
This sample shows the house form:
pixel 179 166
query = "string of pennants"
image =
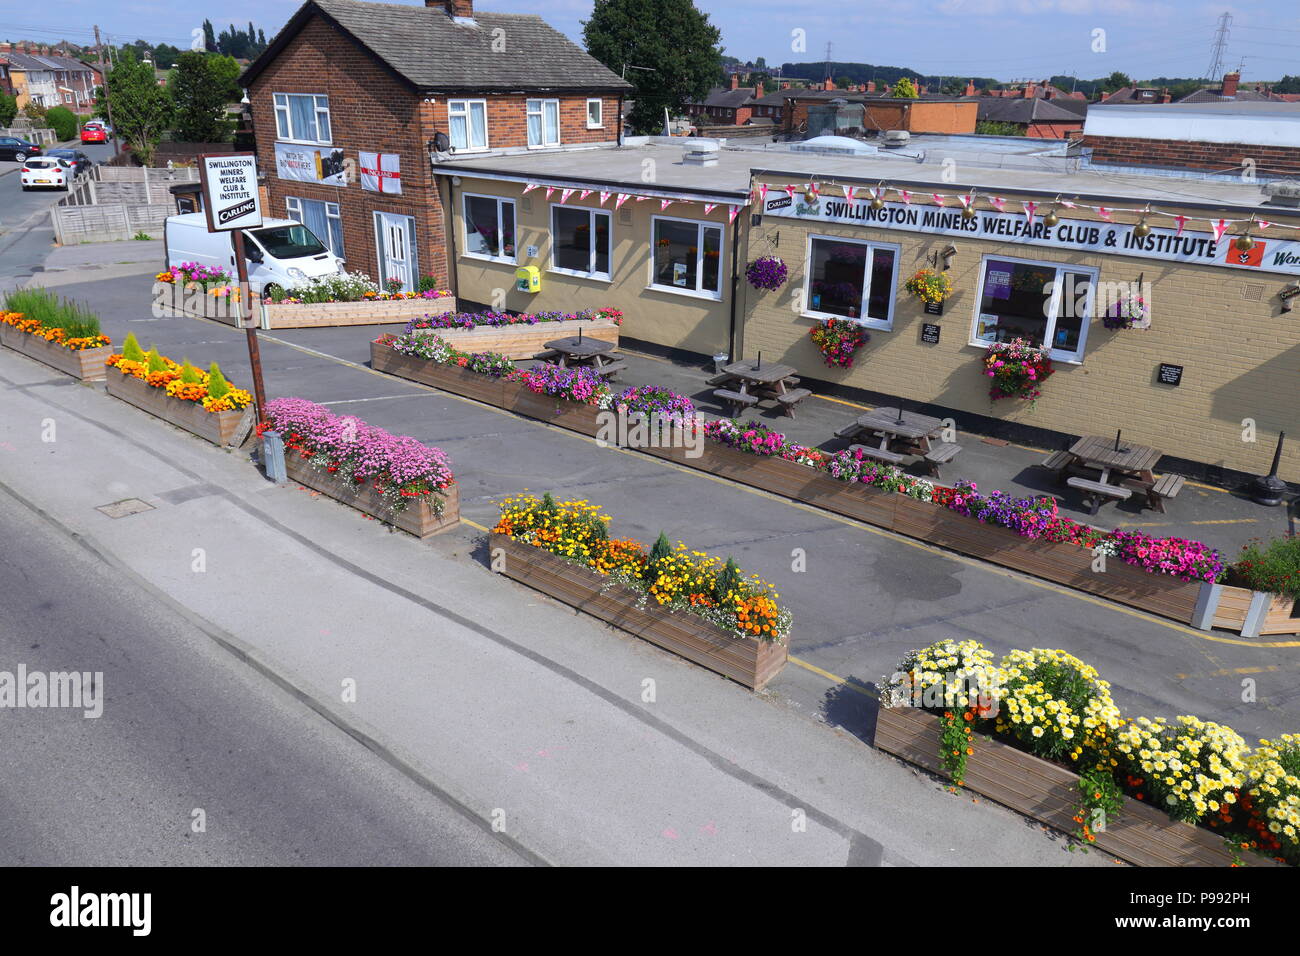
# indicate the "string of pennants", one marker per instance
pixel 733 210
pixel 1031 209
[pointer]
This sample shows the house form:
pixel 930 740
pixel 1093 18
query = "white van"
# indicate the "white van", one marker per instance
pixel 282 252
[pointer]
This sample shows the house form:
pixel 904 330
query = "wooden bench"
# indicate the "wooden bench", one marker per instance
pixel 546 355
pixel 880 454
pixel 941 453
pixel 851 430
pixel 737 400
pixel 1166 486
pixel 721 379
pixel 610 369
pixel 1097 491
pixel 792 398
pixel 1057 461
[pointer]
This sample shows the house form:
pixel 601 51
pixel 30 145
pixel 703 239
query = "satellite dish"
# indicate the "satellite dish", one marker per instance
pixel 442 143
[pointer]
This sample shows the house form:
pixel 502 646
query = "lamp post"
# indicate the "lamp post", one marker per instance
pixel 1269 489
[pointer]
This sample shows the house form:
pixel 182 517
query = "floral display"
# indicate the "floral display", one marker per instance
pixel 350 287
pixel 399 468
pixel 1188 560
pixel 1051 704
pixel 179 380
pixel 758 439
pixel 767 273
pixel 680 580
pixel 213 280
pixel 64 323
pixel 655 401
pixel 1017 369
pixel 929 286
pixel 1128 312
pixel 839 340
pixel 429 345
pixel 473 320
pixel 578 384
pixel 1272 567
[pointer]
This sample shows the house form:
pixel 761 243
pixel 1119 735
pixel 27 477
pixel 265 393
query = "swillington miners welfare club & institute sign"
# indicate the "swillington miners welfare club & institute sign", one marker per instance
pixel 1167 245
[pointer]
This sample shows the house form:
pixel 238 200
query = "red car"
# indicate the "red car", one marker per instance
pixel 92 133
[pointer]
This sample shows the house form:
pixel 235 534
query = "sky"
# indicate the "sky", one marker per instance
pixel 1004 39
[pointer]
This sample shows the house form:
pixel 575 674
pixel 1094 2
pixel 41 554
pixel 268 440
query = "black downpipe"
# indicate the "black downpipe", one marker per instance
pixel 732 354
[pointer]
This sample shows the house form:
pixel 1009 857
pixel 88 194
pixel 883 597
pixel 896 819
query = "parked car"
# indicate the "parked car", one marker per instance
pixel 282 252
pixel 46 172
pixel 80 161
pixel 94 133
pixel 11 147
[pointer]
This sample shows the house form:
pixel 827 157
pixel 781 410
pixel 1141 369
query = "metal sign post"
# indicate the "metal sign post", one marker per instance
pixel 232 203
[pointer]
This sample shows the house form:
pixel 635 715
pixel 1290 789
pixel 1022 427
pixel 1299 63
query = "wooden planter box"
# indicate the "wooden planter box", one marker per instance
pixel 1252 613
pixel 220 428
pixel 417 517
pixel 306 316
pixel 86 364
pixel 1049 793
pixel 746 660
pixel 458 381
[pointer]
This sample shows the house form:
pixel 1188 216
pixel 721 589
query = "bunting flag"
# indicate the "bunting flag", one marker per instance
pixel 584 194
pixel 907 196
pixel 1219 228
pixel 1182 221
pixel 709 207
pixel 642 198
pixel 848 193
pixel 965 201
pixel 938 199
pixel 603 196
pixel 812 188
pixel 529 188
pixel 1030 208
pixel 564 196
pixel 664 204
pixel 762 194
pixel 732 213
pixel 1067 204
pixel 620 199
pixel 1263 224
pixel 998 203
pixel 1105 213
pixel 550 191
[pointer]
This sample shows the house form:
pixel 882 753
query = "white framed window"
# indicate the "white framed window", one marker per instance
pixel 467 124
pixel 686 256
pixel 580 242
pixel 303 118
pixel 543 123
pixel 489 228
pixel 851 279
pixel 1046 303
pixel 322 218
pixel 595 113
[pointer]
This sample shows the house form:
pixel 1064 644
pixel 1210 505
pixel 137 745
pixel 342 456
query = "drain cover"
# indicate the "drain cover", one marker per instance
pixel 127 506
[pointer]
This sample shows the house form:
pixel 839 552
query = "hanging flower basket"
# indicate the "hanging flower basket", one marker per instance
pixel 1017 369
pixel 838 340
pixel 767 273
pixel 1129 312
pixel 929 286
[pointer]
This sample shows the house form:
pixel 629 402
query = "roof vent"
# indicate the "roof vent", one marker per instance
pixel 894 138
pixel 701 153
pixel 1283 193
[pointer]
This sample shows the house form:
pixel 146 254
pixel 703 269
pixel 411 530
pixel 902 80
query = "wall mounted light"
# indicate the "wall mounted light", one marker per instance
pixel 947 253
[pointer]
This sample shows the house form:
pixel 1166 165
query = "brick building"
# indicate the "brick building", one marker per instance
pixel 1037 118
pixel 352 101
pixel 49 79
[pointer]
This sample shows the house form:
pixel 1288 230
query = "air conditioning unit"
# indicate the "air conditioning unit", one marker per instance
pixel 702 153
pixel 1283 193
pixel 894 138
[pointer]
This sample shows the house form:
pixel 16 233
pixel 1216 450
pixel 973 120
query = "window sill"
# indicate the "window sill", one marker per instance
pixel 304 142
pixel 545 146
pixel 499 260
pixel 573 274
pixel 1056 356
pixel 877 324
pixel 689 293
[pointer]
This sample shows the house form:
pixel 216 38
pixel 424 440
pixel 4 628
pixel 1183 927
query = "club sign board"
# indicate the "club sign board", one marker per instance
pixel 230 195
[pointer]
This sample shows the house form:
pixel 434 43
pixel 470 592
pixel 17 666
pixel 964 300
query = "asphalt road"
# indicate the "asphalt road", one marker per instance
pixel 184 727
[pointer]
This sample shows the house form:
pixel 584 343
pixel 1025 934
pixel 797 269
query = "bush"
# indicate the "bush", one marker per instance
pixel 1272 567
pixel 218 387
pixel 131 350
pixel 8 109
pixel 63 121
pixel 1056 705
pixel 75 321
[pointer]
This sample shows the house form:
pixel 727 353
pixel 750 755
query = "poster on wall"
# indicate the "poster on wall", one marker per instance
pixel 381 172
pixel 310 164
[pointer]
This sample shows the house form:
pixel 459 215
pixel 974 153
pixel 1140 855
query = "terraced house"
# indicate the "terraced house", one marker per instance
pixel 352 101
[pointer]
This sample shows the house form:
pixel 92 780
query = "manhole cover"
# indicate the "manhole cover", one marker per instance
pixel 127 506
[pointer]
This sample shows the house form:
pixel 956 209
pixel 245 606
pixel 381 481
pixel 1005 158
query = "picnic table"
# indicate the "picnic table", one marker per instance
pixel 755 381
pixel 1124 467
pixel 901 435
pixel 575 350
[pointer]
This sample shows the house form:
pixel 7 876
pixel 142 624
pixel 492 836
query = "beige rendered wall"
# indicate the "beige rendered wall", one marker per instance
pixel 664 318
pixel 1240 352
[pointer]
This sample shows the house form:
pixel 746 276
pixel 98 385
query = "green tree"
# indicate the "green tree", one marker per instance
pixel 209 37
pixel 8 109
pixel 672 37
pixel 201 86
pixel 164 56
pixel 997 128
pixel 904 89
pixel 761 64
pixel 141 108
pixel 1116 81
pixel 953 87
pixel 844 82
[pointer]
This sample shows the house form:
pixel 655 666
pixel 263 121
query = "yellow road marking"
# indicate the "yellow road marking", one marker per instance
pixel 473 524
pixel 1232 671
pixel 833 678
pixel 839 519
pixel 1227 521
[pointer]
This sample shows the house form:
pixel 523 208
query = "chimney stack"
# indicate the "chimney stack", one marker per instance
pixel 454 8
pixel 1030 90
pixel 735 81
pixel 785 84
pixel 871 86
pixel 1165 97
pixel 1230 81
pixel 970 88
pixel 830 83
pixel 758 90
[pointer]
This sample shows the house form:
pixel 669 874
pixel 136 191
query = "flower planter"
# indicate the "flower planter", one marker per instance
pixel 417 518
pixel 1251 613
pixel 220 428
pixel 86 364
pixel 1049 793
pixel 449 378
pixel 746 660
pixel 289 315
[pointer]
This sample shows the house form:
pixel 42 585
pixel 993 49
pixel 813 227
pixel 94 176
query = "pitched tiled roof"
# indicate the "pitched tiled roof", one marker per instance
pixel 1214 94
pixel 44 62
pixel 999 109
pixel 432 51
pixel 726 96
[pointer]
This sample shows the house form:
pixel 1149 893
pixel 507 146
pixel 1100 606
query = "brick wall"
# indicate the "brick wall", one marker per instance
pixel 1061 130
pixel 1240 353
pixel 371 109
pixel 1132 151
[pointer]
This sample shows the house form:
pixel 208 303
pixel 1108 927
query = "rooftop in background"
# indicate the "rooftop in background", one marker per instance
pixel 1272 123
pixel 432 50
pixel 1041 167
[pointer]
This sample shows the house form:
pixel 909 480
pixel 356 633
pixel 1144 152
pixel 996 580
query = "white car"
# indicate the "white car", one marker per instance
pixel 46 172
